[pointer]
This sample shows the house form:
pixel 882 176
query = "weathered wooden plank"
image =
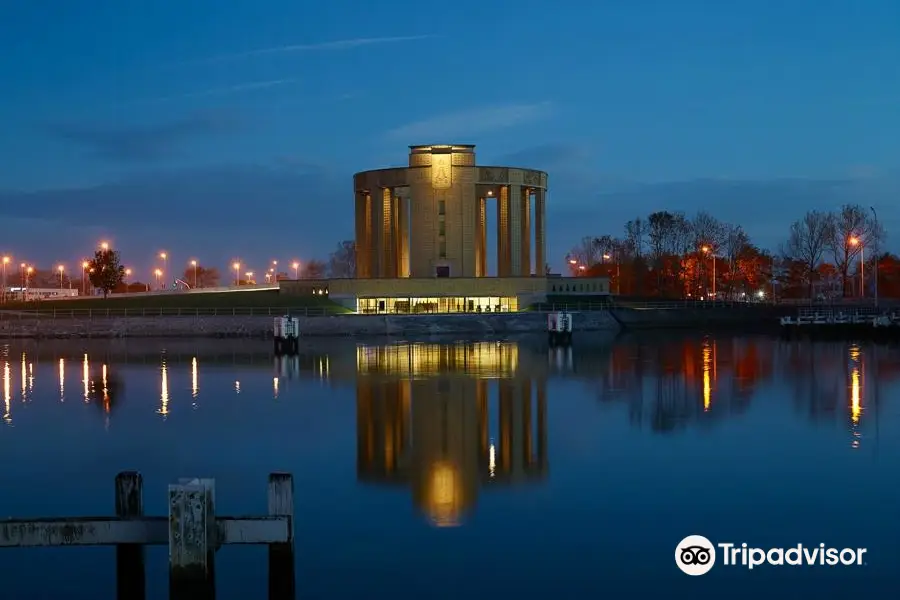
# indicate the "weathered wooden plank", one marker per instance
pixel 282 579
pixel 148 531
pixel 130 573
pixel 83 531
pixel 192 528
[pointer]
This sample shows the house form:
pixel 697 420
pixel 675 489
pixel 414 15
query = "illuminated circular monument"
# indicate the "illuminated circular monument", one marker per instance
pixel 430 219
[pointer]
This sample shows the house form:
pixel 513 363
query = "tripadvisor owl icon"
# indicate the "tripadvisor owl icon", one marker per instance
pixel 695 555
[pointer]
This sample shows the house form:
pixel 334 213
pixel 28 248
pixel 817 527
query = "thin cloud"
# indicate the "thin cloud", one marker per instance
pixel 470 122
pixel 222 91
pixel 334 45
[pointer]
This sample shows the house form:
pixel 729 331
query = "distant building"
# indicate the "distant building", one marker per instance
pixel 30 294
pixel 421 239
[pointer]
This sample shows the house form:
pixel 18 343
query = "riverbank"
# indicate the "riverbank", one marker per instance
pixel 750 318
pixel 261 327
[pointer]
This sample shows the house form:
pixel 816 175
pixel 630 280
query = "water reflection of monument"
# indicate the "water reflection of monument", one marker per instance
pixel 424 418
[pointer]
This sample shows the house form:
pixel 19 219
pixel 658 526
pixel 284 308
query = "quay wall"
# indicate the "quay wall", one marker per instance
pixel 261 326
pixel 756 318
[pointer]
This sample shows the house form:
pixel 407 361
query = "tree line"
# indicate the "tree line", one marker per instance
pixel 668 254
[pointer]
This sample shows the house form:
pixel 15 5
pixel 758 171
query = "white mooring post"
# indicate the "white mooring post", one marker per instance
pixel 559 328
pixel 287 335
pixel 192 540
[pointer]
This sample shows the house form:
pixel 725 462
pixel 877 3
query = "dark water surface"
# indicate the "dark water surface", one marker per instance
pixel 470 470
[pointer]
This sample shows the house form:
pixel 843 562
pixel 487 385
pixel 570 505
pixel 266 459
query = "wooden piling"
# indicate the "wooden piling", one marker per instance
pixel 282 584
pixel 192 543
pixel 130 579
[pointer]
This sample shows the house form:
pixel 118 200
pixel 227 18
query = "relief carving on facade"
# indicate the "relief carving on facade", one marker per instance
pixel 493 175
pixel 532 178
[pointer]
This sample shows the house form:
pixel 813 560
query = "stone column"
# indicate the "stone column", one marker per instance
pixel 504 255
pixel 514 231
pixel 363 235
pixel 481 239
pixel 540 239
pixel 403 235
pixel 387 248
pixel 525 233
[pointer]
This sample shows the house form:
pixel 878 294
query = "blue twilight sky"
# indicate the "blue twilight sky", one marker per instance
pixel 231 129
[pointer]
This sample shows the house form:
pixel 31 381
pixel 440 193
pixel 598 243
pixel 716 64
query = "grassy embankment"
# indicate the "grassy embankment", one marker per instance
pixel 223 300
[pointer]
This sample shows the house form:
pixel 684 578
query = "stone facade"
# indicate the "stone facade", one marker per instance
pixel 261 327
pixel 429 220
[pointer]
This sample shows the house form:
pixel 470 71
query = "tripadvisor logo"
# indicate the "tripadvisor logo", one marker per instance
pixel 696 555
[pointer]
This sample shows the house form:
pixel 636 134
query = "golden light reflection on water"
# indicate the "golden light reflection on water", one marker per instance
pixel 62 380
pixel 7 393
pixel 707 376
pixel 237 387
pixel 195 378
pixel 444 495
pixel 856 394
pixel 24 378
pixel 164 390
pixel 86 378
pixel 492 461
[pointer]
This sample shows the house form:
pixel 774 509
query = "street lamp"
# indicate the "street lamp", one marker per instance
pixel 237 273
pixel 194 264
pixel 158 273
pixel 84 267
pixel 875 214
pixel 6 261
pixel 28 271
pixel 104 246
pixel 165 258
pixel 708 250
pixel 855 241
pixel 249 275
pixel 61 270
pixel 296 267
pixel 127 275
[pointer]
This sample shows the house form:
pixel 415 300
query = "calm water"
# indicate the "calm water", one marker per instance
pixel 476 470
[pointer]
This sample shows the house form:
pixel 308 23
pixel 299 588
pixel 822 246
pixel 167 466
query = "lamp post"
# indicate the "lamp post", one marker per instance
pixel 165 258
pixel 84 267
pixel 194 264
pixel 6 261
pixel 249 275
pixel 709 250
pixel 28 271
pixel 158 273
pixel 855 241
pixel 61 270
pixel 875 214
pixel 296 266
pixel 237 273
pixel 127 275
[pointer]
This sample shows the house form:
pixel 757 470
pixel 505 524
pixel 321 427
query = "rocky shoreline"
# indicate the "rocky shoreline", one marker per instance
pixel 261 327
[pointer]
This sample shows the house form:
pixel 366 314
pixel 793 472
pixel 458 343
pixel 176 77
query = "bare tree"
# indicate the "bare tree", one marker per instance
pixel 708 231
pixel 635 234
pixel 342 262
pixel 313 269
pixel 808 241
pixel 735 242
pixel 854 230
pixel 585 254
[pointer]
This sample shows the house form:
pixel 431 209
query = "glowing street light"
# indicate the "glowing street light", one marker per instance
pixel 237 273
pixel 249 275
pixel 61 270
pixel 84 267
pixel 855 241
pixel 6 261
pixel 296 267
pixel 165 258
pixel 104 246
pixel 708 250
pixel 194 264
pixel 158 273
